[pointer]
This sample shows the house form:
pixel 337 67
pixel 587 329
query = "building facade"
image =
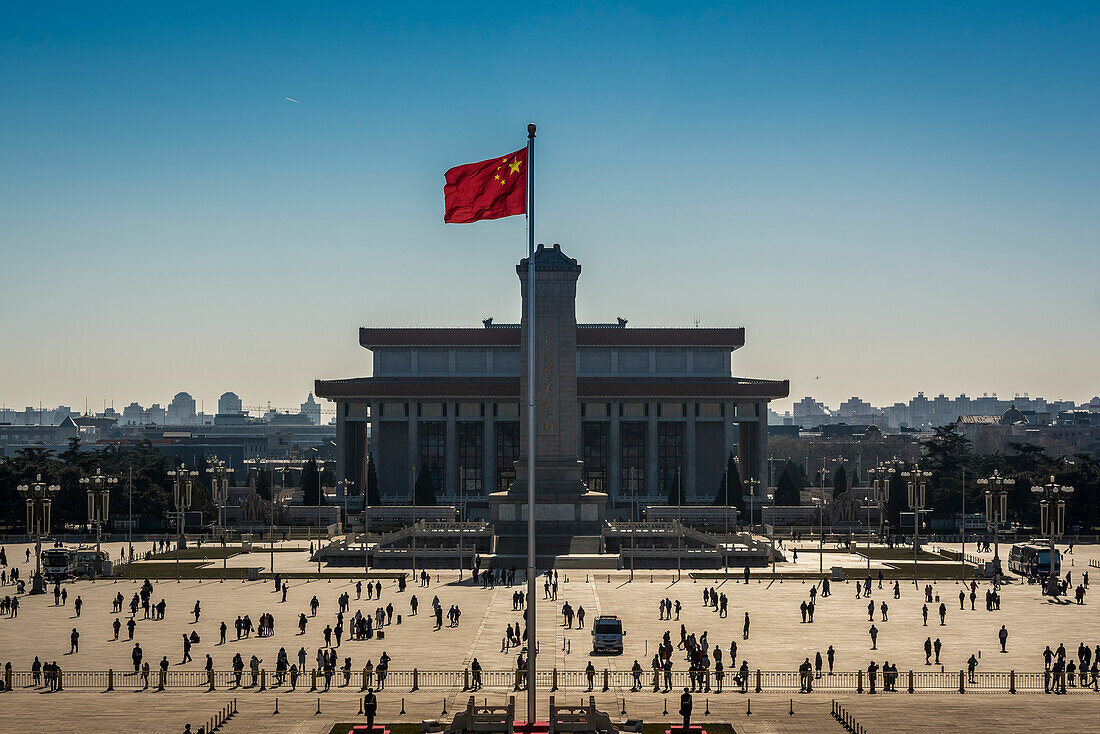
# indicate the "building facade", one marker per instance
pixel 656 409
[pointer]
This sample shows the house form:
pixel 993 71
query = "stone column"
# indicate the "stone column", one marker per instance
pixel 414 451
pixel 652 479
pixel 614 456
pixel 690 473
pixel 489 463
pixel 450 450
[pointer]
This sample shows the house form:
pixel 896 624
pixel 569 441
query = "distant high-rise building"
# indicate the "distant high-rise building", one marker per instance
pixel 311 409
pixel 181 411
pixel 230 404
pixel 133 415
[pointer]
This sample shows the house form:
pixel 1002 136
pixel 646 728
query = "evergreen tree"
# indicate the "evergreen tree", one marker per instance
pixel 736 493
pixel 788 491
pixel 311 484
pixel 840 481
pixel 424 489
pixel 263 483
pixel 897 500
pixel 373 496
pixel 675 489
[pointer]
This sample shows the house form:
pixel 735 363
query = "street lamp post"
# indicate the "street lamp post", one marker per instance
pixel 633 519
pixel 996 488
pixel 753 483
pixel 823 473
pixel 271 520
pixel 881 476
pixel 461 514
pixel 918 482
pixel 98 486
pixel 219 483
pixel 1052 520
pixel 39 496
pixel 414 523
pixel 343 486
pixel 183 479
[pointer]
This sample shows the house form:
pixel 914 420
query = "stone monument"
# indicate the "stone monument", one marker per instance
pixel 564 507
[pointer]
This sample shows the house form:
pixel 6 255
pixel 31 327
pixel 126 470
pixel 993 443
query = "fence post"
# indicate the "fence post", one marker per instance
pixel 859 681
pixel 313 677
pixel 263 679
pixel 962 682
pixel 7 679
pixel 465 679
pixel 759 677
pixel 1012 681
pixel 210 679
pixel 605 680
pixel 416 680
pixel 554 680
pixel 656 680
pixel 162 680
pixel 110 680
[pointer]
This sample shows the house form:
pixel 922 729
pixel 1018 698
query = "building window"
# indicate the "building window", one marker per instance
pixel 670 457
pixel 632 435
pixel 594 437
pixel 507 410
pixel 471 456
pixel 433 445
pixel 507 435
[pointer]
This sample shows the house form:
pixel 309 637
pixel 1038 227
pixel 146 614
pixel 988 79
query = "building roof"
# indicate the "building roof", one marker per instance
pixel 509 336
pixel 382 388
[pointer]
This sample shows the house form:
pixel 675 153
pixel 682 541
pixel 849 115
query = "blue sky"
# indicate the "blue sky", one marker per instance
pixel 889 197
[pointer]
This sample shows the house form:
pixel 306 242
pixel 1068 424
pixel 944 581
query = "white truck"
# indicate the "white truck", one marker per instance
pixel 607 634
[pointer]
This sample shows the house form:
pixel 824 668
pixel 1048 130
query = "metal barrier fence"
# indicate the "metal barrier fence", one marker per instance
pixel 759 681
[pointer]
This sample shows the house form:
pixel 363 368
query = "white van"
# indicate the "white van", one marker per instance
pixel 607 634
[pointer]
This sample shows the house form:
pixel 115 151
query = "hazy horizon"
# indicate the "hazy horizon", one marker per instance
pixel 888 200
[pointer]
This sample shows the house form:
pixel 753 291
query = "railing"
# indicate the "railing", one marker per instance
pixel 845 719
pixel 759 681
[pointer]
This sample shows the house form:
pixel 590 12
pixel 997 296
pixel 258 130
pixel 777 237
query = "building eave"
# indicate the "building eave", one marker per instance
pixel 508 388
pixel 509 336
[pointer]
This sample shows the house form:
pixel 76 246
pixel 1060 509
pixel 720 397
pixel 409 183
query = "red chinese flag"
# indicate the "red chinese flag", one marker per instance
pixel 487 190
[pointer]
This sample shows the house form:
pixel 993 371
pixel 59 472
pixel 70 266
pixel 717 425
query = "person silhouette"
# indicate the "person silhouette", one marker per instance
pixel 685 708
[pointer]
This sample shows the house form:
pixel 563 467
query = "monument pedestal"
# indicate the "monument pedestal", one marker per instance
pixel 564 510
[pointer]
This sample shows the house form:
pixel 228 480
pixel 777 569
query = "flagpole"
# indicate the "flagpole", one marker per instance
pixel 532 644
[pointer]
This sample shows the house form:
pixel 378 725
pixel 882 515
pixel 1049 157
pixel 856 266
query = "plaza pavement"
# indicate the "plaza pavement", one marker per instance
pixel 778 641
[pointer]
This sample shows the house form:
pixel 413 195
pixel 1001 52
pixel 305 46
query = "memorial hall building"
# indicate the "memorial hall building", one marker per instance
pixel 654 406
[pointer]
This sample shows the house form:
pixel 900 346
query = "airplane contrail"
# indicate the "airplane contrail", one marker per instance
pixel 288 99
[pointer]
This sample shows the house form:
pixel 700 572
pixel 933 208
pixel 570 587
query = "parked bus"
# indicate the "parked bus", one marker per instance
pixel 56 563
pixel 1036 559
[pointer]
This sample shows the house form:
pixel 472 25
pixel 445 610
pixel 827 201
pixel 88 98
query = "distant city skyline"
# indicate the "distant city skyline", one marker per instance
pixel 887 200
pixel 229 402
